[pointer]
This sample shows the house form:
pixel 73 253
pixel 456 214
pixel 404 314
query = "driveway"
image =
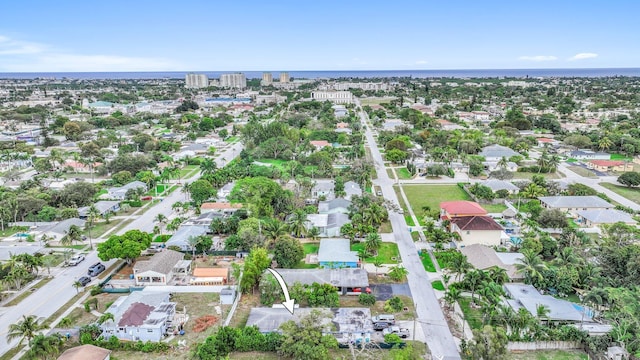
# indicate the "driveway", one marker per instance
pixel 384 292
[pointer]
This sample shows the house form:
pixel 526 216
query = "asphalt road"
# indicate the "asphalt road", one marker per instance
pixel 55 294
pixel 430 317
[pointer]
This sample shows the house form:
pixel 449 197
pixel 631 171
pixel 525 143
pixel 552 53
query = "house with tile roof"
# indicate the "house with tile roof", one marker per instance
pixel 610 165
pixel 143 316
pixel 209 276
pixel 160 269
pixel 483 257
pixel 462 208
pixel 477 230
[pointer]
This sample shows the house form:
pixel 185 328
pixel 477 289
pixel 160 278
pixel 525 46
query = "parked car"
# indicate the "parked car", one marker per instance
pixel 387 318
pixel 358 291
pixel 75 260
pixel 146 198
pixel 380 325
pixel 95 269
pixel 379 192
pixel 84 280
pixel 402 332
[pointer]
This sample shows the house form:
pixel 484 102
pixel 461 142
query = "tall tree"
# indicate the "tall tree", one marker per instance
pixel 27 328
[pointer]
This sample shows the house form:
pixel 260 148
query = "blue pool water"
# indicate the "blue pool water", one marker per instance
pixel 24 235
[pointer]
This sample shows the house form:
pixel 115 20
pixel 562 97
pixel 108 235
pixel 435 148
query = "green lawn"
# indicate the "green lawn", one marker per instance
pixel 273 162
pixel 12 230
pixel 632 194
pixel 472 315
pixel 311 248
pixel 620 157
pixel 420 196
pixel 494 208
pixel 427 263
pixel 386 253
pixel 549 355
pixel 415 235
pixel 583 172
pixel 390 173
pixel 231 139
pixel 403 173
pixel 527 175
pixel 409 220
pixel 437 285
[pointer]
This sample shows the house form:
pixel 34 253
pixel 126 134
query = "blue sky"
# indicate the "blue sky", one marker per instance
pixel 192 35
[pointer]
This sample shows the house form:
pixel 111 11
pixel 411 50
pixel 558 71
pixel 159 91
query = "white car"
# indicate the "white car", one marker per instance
pixel 402 332
pixel 75 260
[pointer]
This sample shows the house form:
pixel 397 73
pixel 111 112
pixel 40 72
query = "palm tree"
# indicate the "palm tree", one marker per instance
pixel 554 162
pixel 193 242
pixel 542 312
pixel 459 266
pixel 474 279
pixel 398 273
pixel 77 285
pixel 532 191
pixel 48 262
pixel 297 223
pixel 531 266
pixel 74 234
pixel 273 229
pixel 604 143
pixel 105 317
pixel 208 166
pixel 503 163
pixel 27 328
pixel 498 275
pixel 377 262
pixel 92 215
pixel 161 219
pixel 45 347
pixel 451 296
pixel 313 233
pixel 372 243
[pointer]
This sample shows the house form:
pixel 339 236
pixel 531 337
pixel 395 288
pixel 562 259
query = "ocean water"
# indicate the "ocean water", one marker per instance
pixel 487 73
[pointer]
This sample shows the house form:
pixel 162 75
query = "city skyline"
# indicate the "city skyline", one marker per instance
pixel 405 35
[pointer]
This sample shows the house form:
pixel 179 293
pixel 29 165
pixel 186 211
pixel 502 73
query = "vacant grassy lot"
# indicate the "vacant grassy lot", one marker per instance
pixel 632 194
pixel 549 355
pixel 527 175
pixel 583 172
pixel 494 208
pixel 431 196
pixel 386 253
pixel 197 305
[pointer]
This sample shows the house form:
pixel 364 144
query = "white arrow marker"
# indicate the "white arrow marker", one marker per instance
pixel 288 303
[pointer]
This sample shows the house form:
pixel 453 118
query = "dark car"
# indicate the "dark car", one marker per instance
pixel 84 280
pixel 95 269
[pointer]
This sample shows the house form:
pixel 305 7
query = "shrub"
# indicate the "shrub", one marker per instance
pixel 367 299
pixel 95 290
pixel 394 304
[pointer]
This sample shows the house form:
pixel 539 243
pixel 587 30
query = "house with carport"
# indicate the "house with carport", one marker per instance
pixel 573 204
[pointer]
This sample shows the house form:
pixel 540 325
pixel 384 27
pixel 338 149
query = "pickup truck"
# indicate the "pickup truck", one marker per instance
pixel 402 332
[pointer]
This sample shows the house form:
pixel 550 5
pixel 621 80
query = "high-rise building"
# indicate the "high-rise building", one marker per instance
pixel 237 80
pixel 284 77
pixel 196 81
pixel 267 79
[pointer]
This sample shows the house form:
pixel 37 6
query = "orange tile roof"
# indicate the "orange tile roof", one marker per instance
pixel 462 208
pixel 607 162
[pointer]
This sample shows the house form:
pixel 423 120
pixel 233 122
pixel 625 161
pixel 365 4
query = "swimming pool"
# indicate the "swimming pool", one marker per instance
pixel 22 235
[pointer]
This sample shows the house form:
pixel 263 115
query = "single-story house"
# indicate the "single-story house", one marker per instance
pixel 543 141
pixel 529 298
pixel 119 193
pixel 351 189
pixel 181 237
pixel 586 154
pixel 349 324
pixel 209 276
pixel 343 127
pixel 161 268
pixel 334 206
pixel 610 165
pixel 323 187
pixel 60 229
pixel 203 219
pixel 462 208
pixel 483 257
pixel 144 316
pixel 79 167
pixel 103 207
pixel 497 185
pixel 597 217
pixel 225 208
pixel 392 124
pixel 497 152
pixel 574 203
pixel 86 352
pixel 345 280
pixel 319 144
pixel 328 224
pixel 477 230
pixel 337 253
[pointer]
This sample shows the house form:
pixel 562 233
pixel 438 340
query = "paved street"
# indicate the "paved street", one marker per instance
pixel 430 317
pixel 48 299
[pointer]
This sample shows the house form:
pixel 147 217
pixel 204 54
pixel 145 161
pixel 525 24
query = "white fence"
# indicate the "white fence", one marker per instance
pixel 543 345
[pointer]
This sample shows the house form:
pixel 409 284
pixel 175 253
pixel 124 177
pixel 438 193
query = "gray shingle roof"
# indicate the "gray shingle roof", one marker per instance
pixel 338 250
pixel 335 277
pixel 162 262
pixel 496 185
pixel 497 151
pixel 606 216
pixel 575 202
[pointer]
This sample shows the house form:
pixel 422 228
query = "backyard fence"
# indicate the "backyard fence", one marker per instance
pixel 543 345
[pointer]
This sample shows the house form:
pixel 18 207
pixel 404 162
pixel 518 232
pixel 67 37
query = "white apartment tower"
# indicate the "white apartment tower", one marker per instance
pixel 267 79
pixel 196 81
pixel 237 80
pixel 284 77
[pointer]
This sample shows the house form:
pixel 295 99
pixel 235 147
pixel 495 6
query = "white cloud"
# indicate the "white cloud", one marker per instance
pixel 538 58
pixel 421 62
pixel 582 56
pixel 20 56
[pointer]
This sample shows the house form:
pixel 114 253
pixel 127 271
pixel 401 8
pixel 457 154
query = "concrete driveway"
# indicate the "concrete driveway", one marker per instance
pixel 384 292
